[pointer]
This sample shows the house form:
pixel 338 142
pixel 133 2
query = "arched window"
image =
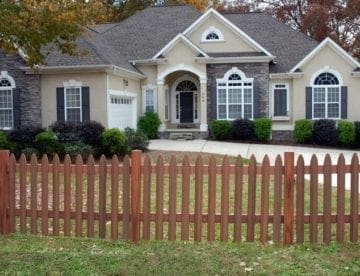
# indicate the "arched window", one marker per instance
pixel 212 34
pixel 234 96
pixel 186 86
pixel 7 85
pixel 326 96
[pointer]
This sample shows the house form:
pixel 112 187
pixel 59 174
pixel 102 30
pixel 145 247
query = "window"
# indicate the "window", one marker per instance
pixel 280 100
pixel 167 104
pixel 326 97
pixel 73 112
pixel 212 34
pixel 6 103
pixel 149 100
pixel 234 96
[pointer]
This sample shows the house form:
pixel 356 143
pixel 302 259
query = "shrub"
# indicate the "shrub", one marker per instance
pixel 325 132
pixel 90 133
pixel 24 137
pixel 262 129
pixel 28 152
pixel 114 142
pixel 357 133
pixel 73 149
pixel 47 143
pixel 149 124
pixel 303 131
pixel 136 139
pixel 65 131
pixel 346 133
pixel 4 142
pixel 221 129
pixel 242 129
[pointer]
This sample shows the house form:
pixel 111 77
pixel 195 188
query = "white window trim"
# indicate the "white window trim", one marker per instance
pixel 149 87
pixel 326 101
pixel 66 108
pixel 274 87
pixel 167 103
pixel 5 75
pixel 243 80
pixel 210 30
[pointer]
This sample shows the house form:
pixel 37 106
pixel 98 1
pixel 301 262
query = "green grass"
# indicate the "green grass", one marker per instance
pixel 34 255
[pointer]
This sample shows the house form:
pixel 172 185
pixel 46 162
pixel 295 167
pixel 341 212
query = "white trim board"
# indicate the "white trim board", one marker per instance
pixel 327 41
pixel 232 26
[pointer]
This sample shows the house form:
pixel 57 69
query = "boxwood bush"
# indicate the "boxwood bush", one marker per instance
pixel 303 131
pixel 242 129
pixel 73 149
pixel 262 129
pixel 47 143
pixel 149 124
pixel 221 129
pixel 136 140
pixel 114 142
pixel 346 133
pixel 325 132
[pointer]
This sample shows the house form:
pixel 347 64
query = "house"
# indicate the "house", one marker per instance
pixel 190 68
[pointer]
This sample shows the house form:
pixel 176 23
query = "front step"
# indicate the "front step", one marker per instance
pixel 181 136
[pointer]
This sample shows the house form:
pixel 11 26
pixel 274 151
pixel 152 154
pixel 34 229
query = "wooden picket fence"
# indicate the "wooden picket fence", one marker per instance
pixel 135 199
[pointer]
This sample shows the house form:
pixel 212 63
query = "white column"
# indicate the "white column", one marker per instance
pixel 203 105
pixel 161 103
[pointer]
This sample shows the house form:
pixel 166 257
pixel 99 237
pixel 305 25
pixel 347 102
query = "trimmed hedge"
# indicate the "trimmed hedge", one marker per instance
pixel 242 129
pixel 149 124
pixel 23 137
pixel 114 142
pixel 262 129
pixel 221 129
pixel 65 131
pixel 346 133
pixel 303 131
pixel 47 143
pixel 325 132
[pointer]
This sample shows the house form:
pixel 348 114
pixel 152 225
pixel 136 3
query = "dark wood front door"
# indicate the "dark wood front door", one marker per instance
pixel 186 107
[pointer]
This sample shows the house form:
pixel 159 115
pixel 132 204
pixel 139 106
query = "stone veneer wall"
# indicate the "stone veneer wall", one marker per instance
pixel 258 71
pixel 29 85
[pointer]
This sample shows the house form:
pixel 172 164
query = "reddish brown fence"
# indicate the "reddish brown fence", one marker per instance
pixel 135 199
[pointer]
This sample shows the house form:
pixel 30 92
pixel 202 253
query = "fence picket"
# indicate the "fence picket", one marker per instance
pixel 12 193
pixel 146 197
pixel 79 195
pixel 90 196
pixel 251 200
pixel 44 195
pixel 67 195
pixel 340 199
pixel 34 190
pixel 185 193
pixel 114 197
pixel 278 182
pixel 102 197
pixel 327 200
pixel 126 198
pixel 238 198
pixel 198 198
pixel 211 199
pixel 159 198
pixel 354 199
pixel 23 181
pixel 265 182
pixel 313 199
pixel 56 194
pixel 300 171
pixel 224 216
pixel 172 198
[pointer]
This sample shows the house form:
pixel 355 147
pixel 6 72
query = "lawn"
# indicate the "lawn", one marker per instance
pixel 20 254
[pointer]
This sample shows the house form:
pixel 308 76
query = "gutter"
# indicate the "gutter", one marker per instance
pixel 149 61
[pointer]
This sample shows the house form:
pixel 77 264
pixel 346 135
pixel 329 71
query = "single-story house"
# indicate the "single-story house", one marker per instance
pixel 190 68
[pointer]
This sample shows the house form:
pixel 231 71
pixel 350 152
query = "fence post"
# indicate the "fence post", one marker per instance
pixel 135 194
pixel 289 181
pixel 4 192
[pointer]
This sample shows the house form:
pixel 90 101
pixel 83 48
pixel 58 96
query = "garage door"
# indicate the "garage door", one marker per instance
pixel 122 112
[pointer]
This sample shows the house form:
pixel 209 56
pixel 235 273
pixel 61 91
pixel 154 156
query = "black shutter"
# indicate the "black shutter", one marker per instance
pixel 85 98
pixel 308 102
pixel 280 102
pixel 60 108
pixel 256 103
pixel 16 107
pixel 344 102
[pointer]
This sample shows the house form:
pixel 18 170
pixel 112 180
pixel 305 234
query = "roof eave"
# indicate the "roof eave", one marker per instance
pixel 296 75
pixel 256 59
pixel 148 61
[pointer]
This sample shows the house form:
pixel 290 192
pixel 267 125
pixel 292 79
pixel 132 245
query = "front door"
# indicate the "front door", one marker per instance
pixel 186 107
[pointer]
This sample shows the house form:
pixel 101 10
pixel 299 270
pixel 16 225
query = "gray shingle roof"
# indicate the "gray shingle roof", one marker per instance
pixel 142 35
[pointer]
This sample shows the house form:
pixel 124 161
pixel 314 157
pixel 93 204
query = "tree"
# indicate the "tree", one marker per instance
pixel 29 26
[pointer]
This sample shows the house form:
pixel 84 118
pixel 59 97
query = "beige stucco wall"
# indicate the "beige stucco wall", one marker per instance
pixel 150 71
pixel 232 42
pixel 97 84
pixel 327 57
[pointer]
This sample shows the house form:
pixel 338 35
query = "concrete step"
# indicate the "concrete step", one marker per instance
pixel 181 136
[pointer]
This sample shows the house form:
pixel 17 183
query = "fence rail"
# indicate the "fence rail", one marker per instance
pixel 135 199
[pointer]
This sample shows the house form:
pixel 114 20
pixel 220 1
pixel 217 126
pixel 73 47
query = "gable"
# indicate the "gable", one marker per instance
pixel 232 42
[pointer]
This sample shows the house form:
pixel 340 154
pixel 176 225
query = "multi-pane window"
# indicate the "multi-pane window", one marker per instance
pixel 234 98
pixel 212 36
pixel 326 97
pixel 280 100
pixel 73 104
pixel 167 104
pixel 149 100
pixel 6 104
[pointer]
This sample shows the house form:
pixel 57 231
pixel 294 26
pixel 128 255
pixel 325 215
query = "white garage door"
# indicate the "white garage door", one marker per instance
pixel 122 112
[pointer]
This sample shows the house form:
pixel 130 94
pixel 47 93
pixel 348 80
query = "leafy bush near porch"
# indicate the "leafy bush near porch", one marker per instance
pixel 325 132
pixel 136 139
pixel 47 143
pixel 262 129
pixel 346 133
pixel 221 129
pixel 242 129
pixel 114 142
pixel 303 131
pixel 149 124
